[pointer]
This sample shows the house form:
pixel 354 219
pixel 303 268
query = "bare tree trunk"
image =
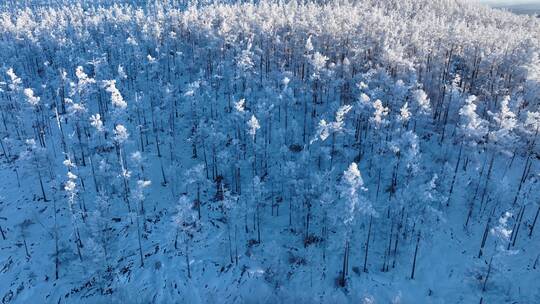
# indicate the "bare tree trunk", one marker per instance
pixel 139 240
pixel 415 255
pixel 42 188
pixel 229 238
pixel 487 275
pixel 187 258
pixel 367 244
pixel 484 238
pixel 344 270
pixel 2 232
pixel 56 249
pixel 235 246
pixel 523 178
pixel 534 222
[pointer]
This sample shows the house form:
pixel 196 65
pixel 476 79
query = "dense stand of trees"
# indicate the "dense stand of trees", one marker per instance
pixel 354 128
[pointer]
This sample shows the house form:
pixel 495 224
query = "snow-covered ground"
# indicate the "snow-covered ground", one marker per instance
pixel 375 152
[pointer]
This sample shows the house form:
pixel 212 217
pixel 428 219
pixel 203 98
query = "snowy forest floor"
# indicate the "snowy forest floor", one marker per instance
pixel 260 153
pixel 278 270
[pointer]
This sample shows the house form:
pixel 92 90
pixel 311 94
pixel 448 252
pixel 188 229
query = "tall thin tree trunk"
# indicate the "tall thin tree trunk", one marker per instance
pixel 367 244
pixel 415 255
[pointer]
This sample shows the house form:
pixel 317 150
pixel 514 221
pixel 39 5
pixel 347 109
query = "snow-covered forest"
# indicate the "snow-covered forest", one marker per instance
pixel 370 151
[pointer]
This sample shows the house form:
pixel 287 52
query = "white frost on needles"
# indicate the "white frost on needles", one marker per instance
pixel 68 163
pixel 15 80
pixel 116 98
pixel 352 183
pixel 472 125
pixel 506 118
pixel 506 122
pixel 309 45
pixel 380 113
pixel 70 185
pixel 185 216
pixel 323 131
pixel 340 116
pixel 240 105
pixel 83 77
pixel 95 121
pixel 318 61
pixel 503 230
pixel 71 176
pixel 141 185
pixel 120 133
pixel 532 122
pixel 353 177
pixel 324 128
pixel 32 99
pixel 253 126
pixel 404 113
pixel 422 100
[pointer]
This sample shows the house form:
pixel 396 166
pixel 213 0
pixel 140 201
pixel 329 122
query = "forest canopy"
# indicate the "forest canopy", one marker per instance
pixel 269 151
